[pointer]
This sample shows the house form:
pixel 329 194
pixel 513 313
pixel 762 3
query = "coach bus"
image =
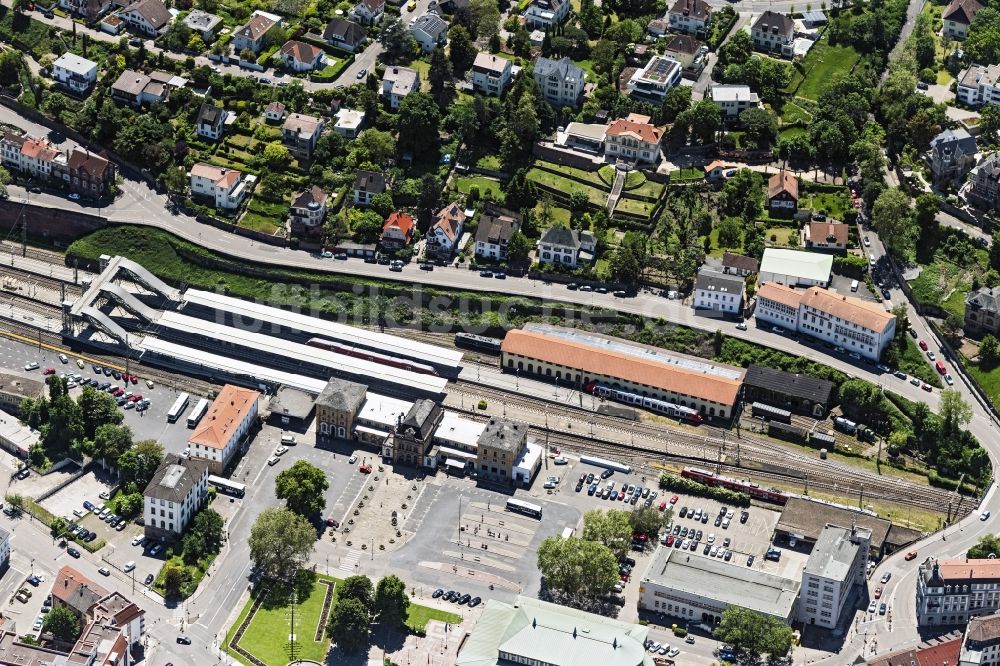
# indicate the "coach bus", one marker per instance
pixel 197 413
pixel 179 404
pixel 226 486
pixel 525 508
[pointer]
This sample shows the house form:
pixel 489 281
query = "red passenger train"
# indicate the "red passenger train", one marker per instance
pixel 374 357
pixel 748 487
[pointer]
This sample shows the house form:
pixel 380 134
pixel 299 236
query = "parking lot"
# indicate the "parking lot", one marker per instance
pixel 70 499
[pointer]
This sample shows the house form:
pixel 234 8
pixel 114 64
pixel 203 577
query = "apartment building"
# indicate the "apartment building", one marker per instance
pixel 176 492
pixel 690 16
pixel 397 83
pixel 633 139
pixel 74 73
pixel 225 187
pixel 836 566
pixel 984 178
pixel 952 592
pixel 719 292
pixel 561 81
pixel 977 85
pixel 773 32
pixel 733 100
pixel 494 233
pixel 90 174
pixel 300 134
pixel 545 14
pixel 491 74
pixel 251 35
pixel 652 82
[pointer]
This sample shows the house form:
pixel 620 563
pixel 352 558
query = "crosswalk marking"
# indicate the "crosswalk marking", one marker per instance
pixel 349 561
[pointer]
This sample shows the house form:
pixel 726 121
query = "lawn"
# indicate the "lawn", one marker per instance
pixel 647 189
pixel 719 251
pixel 634 179
pixel 634 206
pixel 560 216
pixel 592 177
pixel 417 617
pixel 793 113
pixel 833 204
pixel 944 78
pixel 913 362
pixel 566 185
pixel 464 183
pixel 943 284
pixel 988 379
pixel 423 68
pixel 687 174
pixel 488 163
pixel 823 64
pixel 789 132
pixel 782 236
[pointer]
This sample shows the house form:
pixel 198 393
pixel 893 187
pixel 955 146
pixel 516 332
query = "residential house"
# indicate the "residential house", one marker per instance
pixel 714 170
pixel 953 592
pixel 147 17
pixel 90 175
pixel 773 33
pixel 251 35
pixel 302 57
pixel 545 14
pixel 74 73
pixel 563 246
pixel 633 139
pixel 430 31
pixel 223 429
pixel 826 236
pixel 344 34
pixel 369 12
pixel 719 292
pixel 733 100
pixel 210 122
pixel 982 312
pixel 561 81
pixel 300 134
pixel 981 642
pixel 203 23
pixel 88 9
pixel 225 187
pixel 496 226
pixel 274 112
pixel 652 82
pixel 490 74
pixel 397 83
pixel 952 155
pixel 397 232
pixel 366 185
pixel 135 89
pixel 985 179
pixel 783 194
pixel 445 231
pixel 657 28
pixel 690 16
pixel 978 85
pixel 737 264
pixel 33 156
pixel 72 590
pixel 958 16
pixel 685 49
pixel 349 123
pixel 307 212
pixel 173 496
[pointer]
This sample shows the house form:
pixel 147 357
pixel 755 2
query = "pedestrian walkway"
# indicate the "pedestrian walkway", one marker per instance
pixel 349 563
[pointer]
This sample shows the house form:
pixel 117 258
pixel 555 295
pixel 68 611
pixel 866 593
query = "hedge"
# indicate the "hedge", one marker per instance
pixel 689 487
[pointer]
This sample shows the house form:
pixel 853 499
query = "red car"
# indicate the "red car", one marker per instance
pixel 331 522
pixel 640 537
pixel 926 387
pixel 49 371
pixel 922 345
pixel 939 366
pixel 365 469
pixel 912 555
pixel 878 592
pixel 663 505
pixel 673 500
pixel 670 540
pixel 118 392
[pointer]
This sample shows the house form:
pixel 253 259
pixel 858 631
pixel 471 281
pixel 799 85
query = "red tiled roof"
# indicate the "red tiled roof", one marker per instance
pixel 402 221
pixel 224 416
pixel 783 181
pixel 301 51
pixel 638 126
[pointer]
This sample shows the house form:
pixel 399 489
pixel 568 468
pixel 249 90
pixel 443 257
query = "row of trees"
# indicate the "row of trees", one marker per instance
pixel 359 605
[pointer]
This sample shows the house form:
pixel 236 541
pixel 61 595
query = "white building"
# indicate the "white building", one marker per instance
pixel 430 31
pixel 203 23
pixel 561 81
pixel 835 567
pixel 175 493
pixel 795 268
pixel 250 36
pixel 732 100
pixel 490 74
pixel 690 16
pixel 559 245
pixel 494 233
pixel 652 82
pixel 857 326
pixel 349 123
pixel 981 643
pixel 33 156
pixel 369 12
pixel 308 210
pixel 719 292
pixel 633 139
pixel 542 14
pixel 301 57
pixel 74 73
pixel 952 592
pixel 147 17
pixel 4 549
pixel 445 231
pixel 699 588
pixel 228 421
pixel 226 187
pixel 397 83
pixel 978 85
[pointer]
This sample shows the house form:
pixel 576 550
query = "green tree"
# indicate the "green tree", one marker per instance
pixel 62 623
pixel 276 156
pixel 648 520
pixel 441 78
pixel 204 536
pixel 987 546
pixel 130 505
pixel 610 528
pixel 280 543
pixel 989 119
pixel 486 14
pixel 173 580
pixel 893 221
pixel 518 249
pixel 578 201
pixel 676 101
pixel 111 441
pixel 730 232
pixel 57 526
pixel 374 146
pixel 349 625
pixel 359 588
pixel 174 180
pixel 390 601
pixel 580 568
pixel 138 464
pixel 989 352
pixel 954 410
pixel 704 119
pixel 754 634
pixel 760 126
pixel 418 122
pixel 382 204
pixel 925 214
pixel 303 487
pixel 743 195
pixel 11 62
pixel 461 49
pixel 397 41
pixel 366 225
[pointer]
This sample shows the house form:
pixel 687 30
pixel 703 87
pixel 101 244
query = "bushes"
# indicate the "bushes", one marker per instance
pixel 851 266
pixel 680 484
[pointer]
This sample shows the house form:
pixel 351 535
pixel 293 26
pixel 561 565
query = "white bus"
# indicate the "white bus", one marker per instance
pixel 524 508
pixel 198 412
pixel 232 488
pixel 179 405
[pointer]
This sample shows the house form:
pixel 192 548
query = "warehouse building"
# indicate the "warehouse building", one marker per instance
pixel 699 589
pixel 797 393
pixel 576 358
pixel 795 268
pixel 803 520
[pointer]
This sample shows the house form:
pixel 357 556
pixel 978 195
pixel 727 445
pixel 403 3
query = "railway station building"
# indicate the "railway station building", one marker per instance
pixel 336 408
pixel 411 439
pixel 229 421
pixel 576 358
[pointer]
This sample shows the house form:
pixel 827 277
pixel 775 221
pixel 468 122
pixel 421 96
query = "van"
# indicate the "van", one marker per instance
pixel 287 439
pixel 854 285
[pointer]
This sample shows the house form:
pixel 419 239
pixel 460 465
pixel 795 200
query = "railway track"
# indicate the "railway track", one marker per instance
pixel 55 284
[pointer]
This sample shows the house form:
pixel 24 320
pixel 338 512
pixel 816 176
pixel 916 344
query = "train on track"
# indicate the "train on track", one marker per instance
pixel 762 410
pixel 740 486
pixel 374 357
pixel 689 414
pixel 478 342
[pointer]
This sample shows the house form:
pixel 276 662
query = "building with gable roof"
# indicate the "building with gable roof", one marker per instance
pixel 430 31
pixel 412 438
pixel 952 155
pixel 690 16
pixel 366 185
pixel 826 236
pixel 985 183
pixel 302 57
pixel 773 32
pixel 982 312
pixel 397 83
pixel 90 174
pixel 225 187
pixel 684 49
pixel 783 193
pixel 397 232
pixel 175 493
pixel 210 122
pixel 958 16
pixel 561 81
pixel 344 34
pixel 952 592
pixel 72 590
pixel 719 292
pixel 941 651
pixel 981 642
pixel 336 408
pixel 559 245
pixel 739 264
pixel 148 17
pixel 136 88
pixel 34 156
pixel 369 12
pixel 445 231
pixel 494 232
pixel 634 139
pixel 88 9
pixel 229 420
pixel 250 36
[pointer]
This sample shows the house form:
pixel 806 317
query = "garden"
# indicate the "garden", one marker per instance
pixel 823 64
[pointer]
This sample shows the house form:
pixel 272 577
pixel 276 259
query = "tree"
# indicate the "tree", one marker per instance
pixel 130 505
pixel 676 101
pixel 276 156
pixel 989 119
pixel 461 49
pixel 374 146
pixel 366 225
pixel 989 352
pixel 578 567
pixel 281 541
pixel 174 180
pixel 761 126
pixel 303 487
pixel 111 441
pixel 743 195
pixel 926 210
pixel 610 528
pixel 382 204
pixel 390 601
pixel 62 623
pixel 11 62
pixel 705 120
pixel 648 520
pixel 173 579
pixel 359 588
pixel 518 249
pixel 730 232
pixel 397 41
pixel 486 14
pixel 954 410
pixel 988 544
pixel 139 463
pixel 995 250
pixel 441 78
pixel 349 625
pixel 893 221
pixel 418 122
pixel 754 634
pixel 578 201
pixel 204 536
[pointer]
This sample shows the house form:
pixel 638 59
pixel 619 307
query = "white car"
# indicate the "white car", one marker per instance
pixel 948 378
pixel 559 460
pixel 985 515
pixel 868 241
pixel 872 607
pixel 31 366
pixel 352 460
pixel 38 623
pixel 273 460
pixel 280 451
pixel 137 541
pixel 63 358
pixel 673 652
pixel 742 326
pixel 129 566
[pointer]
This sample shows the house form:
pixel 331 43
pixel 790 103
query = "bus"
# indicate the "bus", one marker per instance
pixel 178 408
pixel 198 412
pixel 525 508
pixel 226 486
